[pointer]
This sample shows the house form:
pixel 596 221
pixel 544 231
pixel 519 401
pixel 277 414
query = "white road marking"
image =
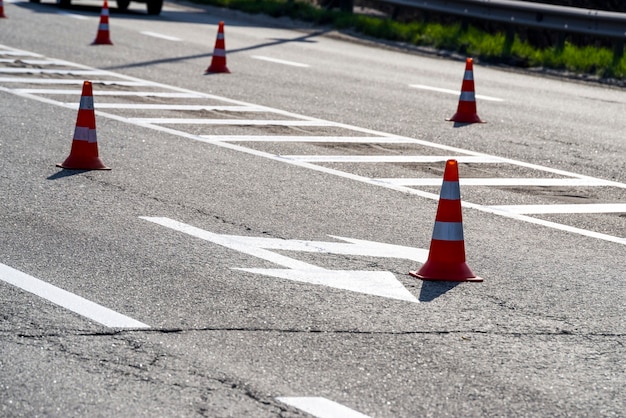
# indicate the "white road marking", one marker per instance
pixel 320 407
pixel 55 71
pixel 499 182
pixel 389 158
pixel 161 36
pixel 569 208
pixel 285 138
pixel 143 106
pixel 67 300
pixel 78 92
pixel 73 15
pixel 377 283
pixel 279 61
pixel 51 81
pixel 455 92
pixel 18 53
pixel 4 50
pixel 241 122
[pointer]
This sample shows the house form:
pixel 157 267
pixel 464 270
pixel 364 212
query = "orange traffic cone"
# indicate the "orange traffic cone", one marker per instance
pixel 103 38
pixel 218 62
pixel 446 259
pixel 2 9
pixel 84 152
pixel 466 111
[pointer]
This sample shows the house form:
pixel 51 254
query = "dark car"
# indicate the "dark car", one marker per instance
pixel 154 6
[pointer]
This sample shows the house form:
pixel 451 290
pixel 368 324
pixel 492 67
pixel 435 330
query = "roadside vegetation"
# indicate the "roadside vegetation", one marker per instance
pixel 467 40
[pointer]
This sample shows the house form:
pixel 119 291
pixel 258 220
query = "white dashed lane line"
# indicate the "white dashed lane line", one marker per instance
pixel 279 61
pixel 161 36
pixel 455 92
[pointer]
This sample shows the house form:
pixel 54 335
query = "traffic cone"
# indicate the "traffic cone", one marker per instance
pixel 446 258
pixel 2 9
pixel 103 38
pixel 218 62
pixel 466 111
pixel 84 152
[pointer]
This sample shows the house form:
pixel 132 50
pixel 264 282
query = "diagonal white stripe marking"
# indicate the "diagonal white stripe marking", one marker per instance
pixel 43 71
pixel 143 106
pixel 502 182
pixel 56 81
pixel 338 139
pixel 321 407
pixel 571 208
pixel 455 92
pixel 389 158
pixel 110 93
pixel 239 122
pixel 67 300
pixel 279 61
pixel 5 50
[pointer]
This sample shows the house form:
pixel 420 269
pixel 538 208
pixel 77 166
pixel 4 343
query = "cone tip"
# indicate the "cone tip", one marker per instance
pixel 451 172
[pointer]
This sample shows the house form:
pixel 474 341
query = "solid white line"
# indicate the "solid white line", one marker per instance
pixel 67 300
pixel 502 182
pixel 285 138
pixel 160 36
pixel 279 61
pixel 389 158
pixel 455 92
pixel 241 122
pixel 568 208
pixel 320 407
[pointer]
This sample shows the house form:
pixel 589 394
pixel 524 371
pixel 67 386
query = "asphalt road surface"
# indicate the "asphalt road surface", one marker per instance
pixel 248 252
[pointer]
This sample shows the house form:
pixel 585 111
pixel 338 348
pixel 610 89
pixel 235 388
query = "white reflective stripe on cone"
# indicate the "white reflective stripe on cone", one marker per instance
pixel 467 96
pixel 82 133
pixel 448 231
pixel 86 103
pixel 450 190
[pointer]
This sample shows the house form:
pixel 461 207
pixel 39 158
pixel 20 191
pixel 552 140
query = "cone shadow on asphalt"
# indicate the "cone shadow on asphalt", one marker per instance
pixel 65 173
pixel 431 290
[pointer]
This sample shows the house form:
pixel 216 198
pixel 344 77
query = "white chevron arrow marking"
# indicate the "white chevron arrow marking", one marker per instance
pixel 378 283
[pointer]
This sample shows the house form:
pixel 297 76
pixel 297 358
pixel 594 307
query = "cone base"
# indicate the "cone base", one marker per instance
pixel 465 118
pixel 214 69
pixel 102 42
pixel 92 164
pixel 432 279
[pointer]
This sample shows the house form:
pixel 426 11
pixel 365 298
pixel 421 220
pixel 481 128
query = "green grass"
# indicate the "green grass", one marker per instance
pixel 469 40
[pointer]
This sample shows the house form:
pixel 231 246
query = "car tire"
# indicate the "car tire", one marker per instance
pixel 122 5
pixel 154 6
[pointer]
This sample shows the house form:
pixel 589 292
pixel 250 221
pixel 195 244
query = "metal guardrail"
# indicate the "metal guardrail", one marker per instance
pixel 522 13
